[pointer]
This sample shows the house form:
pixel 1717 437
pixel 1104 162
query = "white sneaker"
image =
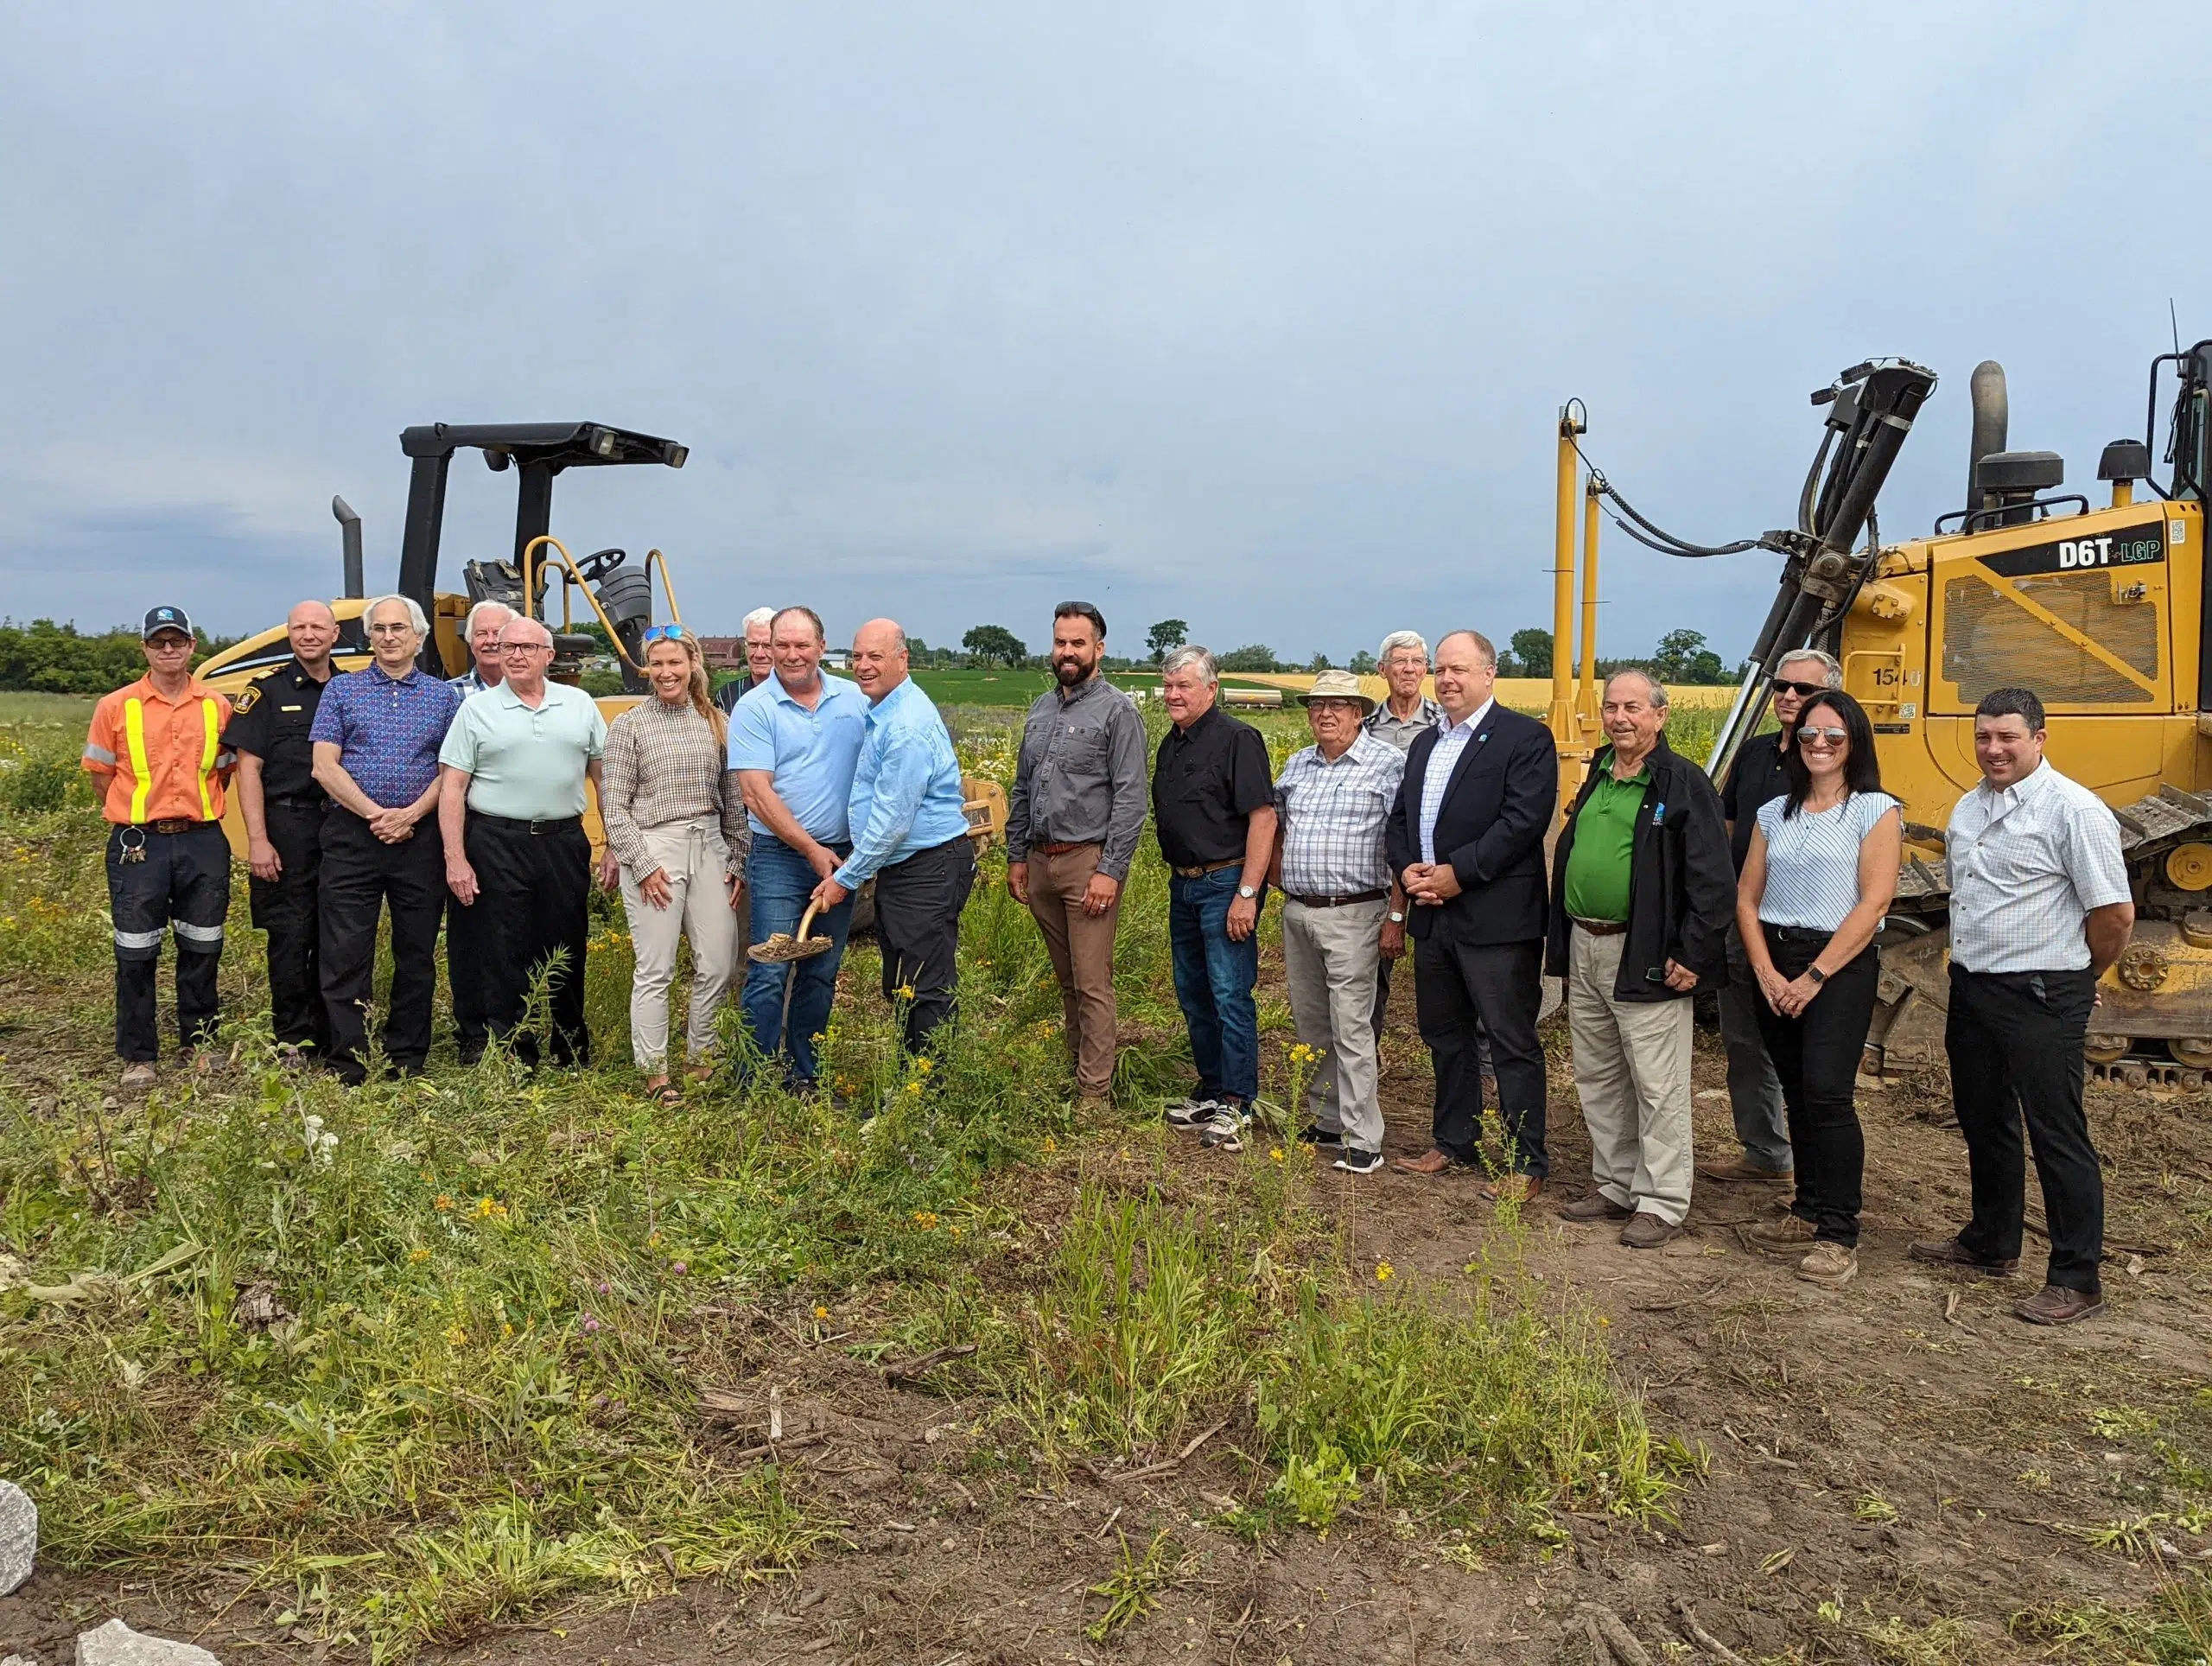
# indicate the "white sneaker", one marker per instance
pixel 1226 1131
pixel 1191 1115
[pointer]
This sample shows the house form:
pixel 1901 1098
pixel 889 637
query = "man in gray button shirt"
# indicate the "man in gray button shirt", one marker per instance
pixel 1078 805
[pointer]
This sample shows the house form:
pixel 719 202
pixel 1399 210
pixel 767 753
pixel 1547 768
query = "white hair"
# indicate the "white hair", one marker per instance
pixel 1831 672
pixel 1398 639
pixel 764 617
pixel 420 625
pixel 487 605
pixel 1658 689
pixel 1190 654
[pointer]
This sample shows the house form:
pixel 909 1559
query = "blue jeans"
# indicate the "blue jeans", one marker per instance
pixel 1213 984
pixel 779 881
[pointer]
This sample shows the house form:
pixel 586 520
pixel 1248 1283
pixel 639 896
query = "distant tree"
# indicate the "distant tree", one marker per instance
pixel 1253 656
pixel 1532 653
pixel 1319 663
pixel 1683 658
pixel 995 642
pixel 1363 663
pixel 1167 634
pixel 60 659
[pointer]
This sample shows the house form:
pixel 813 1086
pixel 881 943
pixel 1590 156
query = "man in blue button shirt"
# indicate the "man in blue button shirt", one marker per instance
pixel 794 742
pixel 910 835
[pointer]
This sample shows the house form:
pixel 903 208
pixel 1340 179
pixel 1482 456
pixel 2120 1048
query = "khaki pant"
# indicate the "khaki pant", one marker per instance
pixel 692 855
pixel 1082 949
pixel 1632 1071
pixel 1329 957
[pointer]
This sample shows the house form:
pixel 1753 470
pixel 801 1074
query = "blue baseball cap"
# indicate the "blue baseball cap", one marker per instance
pixel 166 619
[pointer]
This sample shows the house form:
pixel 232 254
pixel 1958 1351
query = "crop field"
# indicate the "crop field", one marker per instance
pixel 488 1365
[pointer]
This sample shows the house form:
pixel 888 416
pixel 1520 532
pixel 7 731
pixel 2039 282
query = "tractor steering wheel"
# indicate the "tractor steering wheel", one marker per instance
pixel 598 564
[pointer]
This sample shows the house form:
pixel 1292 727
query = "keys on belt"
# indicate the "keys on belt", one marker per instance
pixel 136 852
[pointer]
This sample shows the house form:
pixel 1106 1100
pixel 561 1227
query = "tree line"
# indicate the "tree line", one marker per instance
pixel 44 657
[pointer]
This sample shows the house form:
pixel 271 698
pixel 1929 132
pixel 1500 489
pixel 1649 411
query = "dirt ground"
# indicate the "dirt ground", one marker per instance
pixel 1902 1453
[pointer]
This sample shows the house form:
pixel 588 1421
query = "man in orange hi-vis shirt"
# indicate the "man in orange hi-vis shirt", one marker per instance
pixel 158 746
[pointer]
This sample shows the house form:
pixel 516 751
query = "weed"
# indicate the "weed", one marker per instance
pixel 1133 1589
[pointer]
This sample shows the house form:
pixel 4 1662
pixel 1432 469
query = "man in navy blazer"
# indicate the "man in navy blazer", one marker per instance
pixel 1467 838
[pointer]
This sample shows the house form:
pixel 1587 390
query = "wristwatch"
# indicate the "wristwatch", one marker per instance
pixel 1816 974
pixel 1398 916
pixel 1247 893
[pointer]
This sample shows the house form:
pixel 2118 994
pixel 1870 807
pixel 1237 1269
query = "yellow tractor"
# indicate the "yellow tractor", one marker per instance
pixel 2101 607
pixel 619 594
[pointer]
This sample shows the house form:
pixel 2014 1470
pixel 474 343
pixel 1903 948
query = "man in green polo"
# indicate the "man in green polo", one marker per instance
pixel 1643 890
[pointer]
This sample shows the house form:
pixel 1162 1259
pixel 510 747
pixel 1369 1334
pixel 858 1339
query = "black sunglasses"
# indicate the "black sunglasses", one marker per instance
pixel 1803 691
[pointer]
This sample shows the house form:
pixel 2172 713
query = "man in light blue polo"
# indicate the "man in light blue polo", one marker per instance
pixel 910 835
pixel 794 742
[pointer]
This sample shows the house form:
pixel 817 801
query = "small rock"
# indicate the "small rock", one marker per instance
pixel 18 1536
pixel 18 1660
pixel 117 1645
pixel 257 1308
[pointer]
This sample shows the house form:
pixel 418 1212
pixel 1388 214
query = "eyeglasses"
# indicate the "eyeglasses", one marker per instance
pixel 1803 691
pixel 525 647
pixel 1835 737
pixel 391 630
pixel 661 633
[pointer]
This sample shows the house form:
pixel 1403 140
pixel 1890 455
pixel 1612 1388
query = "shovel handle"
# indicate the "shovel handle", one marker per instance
pixel 805 921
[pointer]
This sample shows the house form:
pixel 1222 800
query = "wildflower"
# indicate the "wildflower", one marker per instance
pixel 913 1087
pixel 904 992
pixel 455 1337
pixel 1275 1154
pixel 925 1219
pixel 418 1253
pixel 954 1230
pixel 441 1202
pixel 821 1312
pixel 926 1065
pixel 1384 1272
pixel 652 1241
pixel 588 1325
pixel 507 1329
pixel 605 1288
pixel 679 1268
pixel 1050 1145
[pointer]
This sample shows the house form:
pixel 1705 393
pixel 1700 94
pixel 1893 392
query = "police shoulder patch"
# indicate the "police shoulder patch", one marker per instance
pixel 245 702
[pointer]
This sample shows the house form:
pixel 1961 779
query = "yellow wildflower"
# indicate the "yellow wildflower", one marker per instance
pixel 507 1329
pixel 442 1201
pixel 418 1253
pixel 1384 1272
pixel 926 1065
pixel 821 1312
pixel 455 1337
pixel 925 1219
pixel 1275 1154
pixel 904 992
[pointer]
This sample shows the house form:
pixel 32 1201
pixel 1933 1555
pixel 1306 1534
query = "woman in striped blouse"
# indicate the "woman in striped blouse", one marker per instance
pixel 1820 874
pixel 676 840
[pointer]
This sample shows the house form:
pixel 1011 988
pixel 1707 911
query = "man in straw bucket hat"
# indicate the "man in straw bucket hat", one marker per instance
pixel 1343 914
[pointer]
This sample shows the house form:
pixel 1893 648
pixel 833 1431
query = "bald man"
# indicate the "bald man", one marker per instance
pixel 283 805
pixel 910 835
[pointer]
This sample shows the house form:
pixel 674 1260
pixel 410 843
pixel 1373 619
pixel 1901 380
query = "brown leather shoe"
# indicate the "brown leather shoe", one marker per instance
pixel 1595 1207
pixel 1429 1162
pixel 1949 1252
pixel 1489 1090
pixel 1781 1233
pixel 1648 1231
pixel 2057 1304
pixel 1743 1169
pixel 1513 1188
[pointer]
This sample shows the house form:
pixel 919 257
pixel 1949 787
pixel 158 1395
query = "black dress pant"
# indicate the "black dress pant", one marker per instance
pixel 531 917
pixel 917 904
pixel 1816 1056
pixel 362 877
pixel 1461 990
pixel 287 909
pixel 2015 1045
pixel 467 984
pixel 183 879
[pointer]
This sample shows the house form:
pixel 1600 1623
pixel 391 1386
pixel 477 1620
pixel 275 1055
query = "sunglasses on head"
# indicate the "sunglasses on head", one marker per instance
pixel 1803 691
pixel 1835 737
pixel 663 633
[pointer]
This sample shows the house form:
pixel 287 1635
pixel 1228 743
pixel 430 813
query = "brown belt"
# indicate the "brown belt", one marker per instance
pixel 1347 897
pixel 173 824
pixel 1063 849
pixel 1601 927
pixel 1206 868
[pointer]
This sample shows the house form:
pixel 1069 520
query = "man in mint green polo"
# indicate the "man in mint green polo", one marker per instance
pixel 1643 890
pixel 511 809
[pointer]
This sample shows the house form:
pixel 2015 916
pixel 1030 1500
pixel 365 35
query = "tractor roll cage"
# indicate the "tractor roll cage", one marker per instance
pixel 539 450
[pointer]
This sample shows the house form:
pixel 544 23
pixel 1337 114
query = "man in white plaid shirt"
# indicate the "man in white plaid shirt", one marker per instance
pixel 1343 912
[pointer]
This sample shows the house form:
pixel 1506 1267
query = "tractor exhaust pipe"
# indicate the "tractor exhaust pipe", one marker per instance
pixel 1992 416
pixel 349 533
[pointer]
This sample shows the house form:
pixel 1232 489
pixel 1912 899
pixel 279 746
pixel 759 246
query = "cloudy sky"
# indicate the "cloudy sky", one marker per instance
pixel 1255 315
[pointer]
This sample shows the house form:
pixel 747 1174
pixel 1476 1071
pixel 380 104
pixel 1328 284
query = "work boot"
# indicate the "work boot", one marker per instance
pixel 1595 1207
pixel 1783 1232
pixel 1949 1252
pixel 2057 1304
pixel 1743 1169
pixel 1648 1231
pixel 1829 1264
pixel 138 1076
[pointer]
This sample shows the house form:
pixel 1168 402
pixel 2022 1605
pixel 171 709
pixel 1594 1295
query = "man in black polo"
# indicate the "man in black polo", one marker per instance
pixel 282 807
pixel 1213 806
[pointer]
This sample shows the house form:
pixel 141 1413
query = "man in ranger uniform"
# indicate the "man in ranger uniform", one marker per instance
pixel 281 805
pixel 157 748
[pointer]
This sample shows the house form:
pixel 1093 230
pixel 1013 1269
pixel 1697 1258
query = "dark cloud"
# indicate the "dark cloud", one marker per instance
pixel 1252 316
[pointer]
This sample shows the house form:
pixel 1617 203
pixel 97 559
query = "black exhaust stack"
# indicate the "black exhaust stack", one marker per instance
pixel 1992 418
pixel 349 533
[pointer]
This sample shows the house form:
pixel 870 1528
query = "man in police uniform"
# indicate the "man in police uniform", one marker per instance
pixel 157 749
pixel 282 809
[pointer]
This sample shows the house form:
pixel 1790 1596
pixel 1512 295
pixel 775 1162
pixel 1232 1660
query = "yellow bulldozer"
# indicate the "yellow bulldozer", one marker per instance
pixel 2101 607
pixel 619 593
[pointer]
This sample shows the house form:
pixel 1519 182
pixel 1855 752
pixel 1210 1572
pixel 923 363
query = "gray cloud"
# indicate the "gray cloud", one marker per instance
pixel 1254 315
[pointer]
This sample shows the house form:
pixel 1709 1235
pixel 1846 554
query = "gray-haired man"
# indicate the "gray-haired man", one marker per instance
pixel 1754 1091
pixel 759 659
pixel 481 628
